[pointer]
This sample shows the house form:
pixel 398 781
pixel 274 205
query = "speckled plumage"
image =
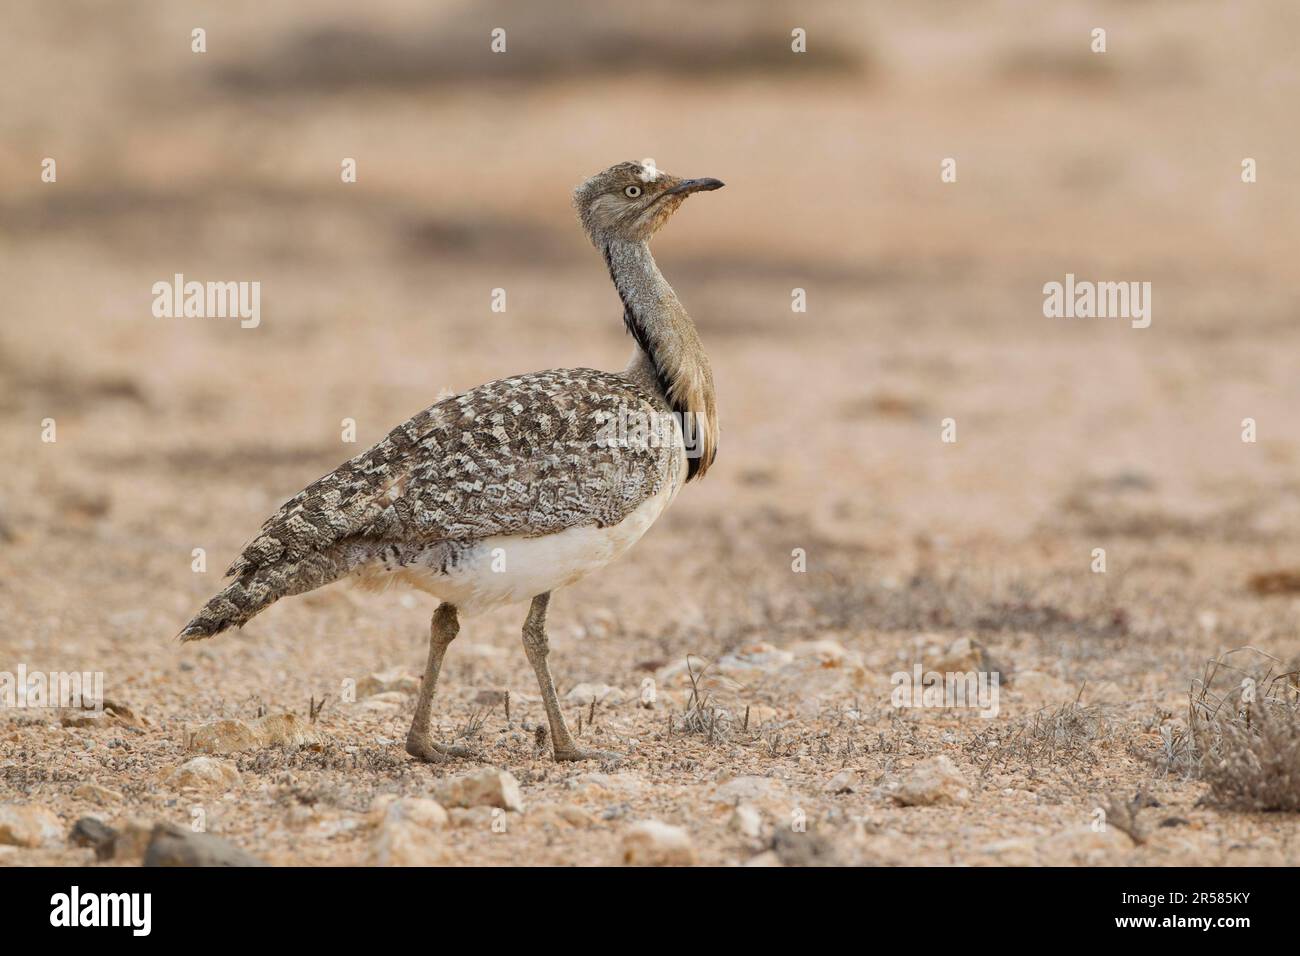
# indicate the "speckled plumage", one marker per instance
pixel 526 457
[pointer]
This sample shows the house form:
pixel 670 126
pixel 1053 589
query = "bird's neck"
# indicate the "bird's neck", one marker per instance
pixel 669 357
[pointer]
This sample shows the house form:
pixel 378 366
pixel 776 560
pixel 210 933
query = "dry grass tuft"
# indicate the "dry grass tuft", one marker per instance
pixel 1068 734
pixel 1243 733
pixel 703 718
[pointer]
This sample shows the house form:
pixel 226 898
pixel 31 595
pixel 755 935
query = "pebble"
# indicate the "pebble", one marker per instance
pixel 402 843
pixel 205 773
pixel 561 814
pixel 935 781
pixel 652 843
pixel 961 656
pixel 234 736
pixel 172 845
pixel 29 826
pixel 746 820
pixel 97 794
pixel 420 811
pixel 393 680
pixel 133 837
pixel 488 787
pixel 94 833
pixel 846 781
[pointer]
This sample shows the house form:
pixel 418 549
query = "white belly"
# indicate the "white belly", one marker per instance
pixel 505 569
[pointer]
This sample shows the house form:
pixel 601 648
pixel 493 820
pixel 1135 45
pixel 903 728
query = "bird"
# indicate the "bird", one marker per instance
pixel 511 490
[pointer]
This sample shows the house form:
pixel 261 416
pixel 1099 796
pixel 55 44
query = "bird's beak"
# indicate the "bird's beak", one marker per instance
pixel 688 186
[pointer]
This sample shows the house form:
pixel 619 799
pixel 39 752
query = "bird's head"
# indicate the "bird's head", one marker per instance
pixel 630 201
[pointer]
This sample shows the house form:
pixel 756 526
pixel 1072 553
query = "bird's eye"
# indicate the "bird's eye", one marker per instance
pixel 632 192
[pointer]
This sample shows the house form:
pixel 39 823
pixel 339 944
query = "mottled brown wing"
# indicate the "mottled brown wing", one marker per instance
pixel 525 455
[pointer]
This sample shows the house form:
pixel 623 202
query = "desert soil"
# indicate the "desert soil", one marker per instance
pixel 924 304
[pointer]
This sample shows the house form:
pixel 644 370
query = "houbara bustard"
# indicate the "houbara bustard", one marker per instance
pixel 515 488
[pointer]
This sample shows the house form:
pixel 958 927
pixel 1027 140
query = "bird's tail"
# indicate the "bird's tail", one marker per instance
pixel 255 590
pixel 234 606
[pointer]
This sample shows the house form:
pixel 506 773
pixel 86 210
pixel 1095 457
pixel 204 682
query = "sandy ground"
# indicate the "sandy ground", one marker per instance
pixel 924 303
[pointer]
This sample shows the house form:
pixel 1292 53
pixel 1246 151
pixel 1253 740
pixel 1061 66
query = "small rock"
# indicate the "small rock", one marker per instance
pixel 805 848
pixel 224 737
pixel 109 713
pixel 763 792
pixel 286 730
pixel 205 773
pixel 171 845
pixel 94 833
pixel 406 832
pixel 29 826
pixel 766 858
pixel 133 838
pixel 935 781
pixel 563 814
pixel 420 811
pixel 846 781
pixel 97 794
pixel 233 736
pixel 601 693
pixel 395 679
pixel 746 820
pixel 402 843
pixel 484 788
pixel 962 655
pixel 473 818
pixel 651 843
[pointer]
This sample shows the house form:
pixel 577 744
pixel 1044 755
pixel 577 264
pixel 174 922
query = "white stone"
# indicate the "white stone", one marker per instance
pixel 746 820
pixel 205 773
pixel 652 843
pixel 483 788
pixel 97 794
pixel 29 826
pixel 420 811
pixel 935 781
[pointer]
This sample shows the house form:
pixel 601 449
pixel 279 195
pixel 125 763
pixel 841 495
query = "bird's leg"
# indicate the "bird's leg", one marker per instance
pixel 420 742
pixel 537 647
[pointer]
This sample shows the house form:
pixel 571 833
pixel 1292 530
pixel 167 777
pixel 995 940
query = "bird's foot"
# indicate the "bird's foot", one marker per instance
pixel 430 751
pixel 580 753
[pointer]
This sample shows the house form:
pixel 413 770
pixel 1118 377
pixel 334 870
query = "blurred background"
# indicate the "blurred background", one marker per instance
pixel 177 437
pixel 924 298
